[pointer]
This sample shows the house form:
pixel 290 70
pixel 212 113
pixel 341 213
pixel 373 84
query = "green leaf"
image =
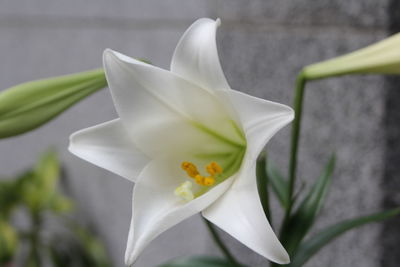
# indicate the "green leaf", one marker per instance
pixel 198 261
pixel 311 246
pixel 279 184
pixel 262 183
pixel 70 252
pixel 48 171
pixel 9 197
pixel 29 105
pixel 8 241
pixel 302 220
pixel 92 247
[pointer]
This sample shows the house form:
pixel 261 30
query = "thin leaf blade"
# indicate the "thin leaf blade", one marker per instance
pixel 310 247
pixel 279 184
pixel 302 220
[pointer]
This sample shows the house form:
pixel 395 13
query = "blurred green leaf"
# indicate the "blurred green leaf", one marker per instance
pixel 262 183
pixel 279 184
pixel 198 261
pixel 93 248
pixel 311 246
pixel 38 186
pixel 27 106
pixel 47 171
pixel 61 204
pixel 61 257
pixel 8 241
pixel 80 248
pixel 302 220
pixel 9 197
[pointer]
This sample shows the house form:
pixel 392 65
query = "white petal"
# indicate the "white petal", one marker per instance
pixel 156 208
pixel 164 113
pixel 108 146
pixel 260 119
pixel 196 56
pixel 239 213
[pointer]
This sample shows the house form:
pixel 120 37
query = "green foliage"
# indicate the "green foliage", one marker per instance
pixel 92 247
pixel 199 261
pixel 38 186
pixel 80 249
pixel 36 192
pixel 311 246
pixel 303 218
pixel 301 221
pixel 8 198
pixel 8 241
pixel 27 106
pixel 278 184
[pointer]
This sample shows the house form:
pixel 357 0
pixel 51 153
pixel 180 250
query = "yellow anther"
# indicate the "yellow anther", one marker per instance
pixel 184 191
pixel 190 169
pixel 213 168
pixel 199 179
pixel 208 181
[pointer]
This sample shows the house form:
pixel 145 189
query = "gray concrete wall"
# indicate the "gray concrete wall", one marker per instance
pixel 263 44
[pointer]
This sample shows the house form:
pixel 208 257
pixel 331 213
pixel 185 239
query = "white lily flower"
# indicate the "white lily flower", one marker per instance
pixel 188 141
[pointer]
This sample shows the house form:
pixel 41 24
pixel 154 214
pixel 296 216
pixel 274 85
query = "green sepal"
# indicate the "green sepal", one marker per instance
pixel 27 106
pixel 311 246
pixel 301 221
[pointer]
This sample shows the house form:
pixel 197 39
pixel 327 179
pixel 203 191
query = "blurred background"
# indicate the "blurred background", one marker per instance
pixel 263 44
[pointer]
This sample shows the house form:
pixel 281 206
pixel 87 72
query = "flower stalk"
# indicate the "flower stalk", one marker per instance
pixel 221 244
pixel 294 145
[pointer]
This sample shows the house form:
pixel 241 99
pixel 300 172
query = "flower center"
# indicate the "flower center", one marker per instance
pixel 184 191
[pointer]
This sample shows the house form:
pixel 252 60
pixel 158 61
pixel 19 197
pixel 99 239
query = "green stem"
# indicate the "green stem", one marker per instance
pixel 262 184
pixel 298 108
pixel 221 244
pixel 34 255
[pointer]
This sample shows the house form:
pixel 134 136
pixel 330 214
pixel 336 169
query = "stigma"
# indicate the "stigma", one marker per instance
pixel 184 191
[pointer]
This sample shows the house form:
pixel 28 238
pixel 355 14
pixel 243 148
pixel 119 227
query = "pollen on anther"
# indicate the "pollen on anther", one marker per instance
pixel 190 169
pixel 213 168
pixel 208 181
pixel 199 179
